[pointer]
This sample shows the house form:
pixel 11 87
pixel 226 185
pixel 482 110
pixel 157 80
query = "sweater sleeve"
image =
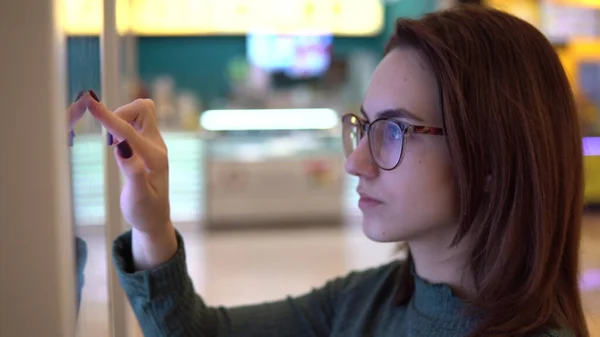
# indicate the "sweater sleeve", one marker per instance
pixel 166 304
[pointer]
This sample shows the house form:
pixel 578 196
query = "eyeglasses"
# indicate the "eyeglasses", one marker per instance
pixel 386 137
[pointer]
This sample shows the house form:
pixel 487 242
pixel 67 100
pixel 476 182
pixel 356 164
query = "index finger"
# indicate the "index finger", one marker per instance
pixel 147 150
pixel 140 114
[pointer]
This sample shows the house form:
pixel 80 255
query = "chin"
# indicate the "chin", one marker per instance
pixel 380 231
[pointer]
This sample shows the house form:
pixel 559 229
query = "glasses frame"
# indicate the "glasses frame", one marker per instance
pixel 364 126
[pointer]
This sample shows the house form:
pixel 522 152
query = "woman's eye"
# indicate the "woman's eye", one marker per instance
pixel 393 132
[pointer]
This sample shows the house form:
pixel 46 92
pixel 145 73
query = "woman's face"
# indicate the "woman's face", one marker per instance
pixel 418 198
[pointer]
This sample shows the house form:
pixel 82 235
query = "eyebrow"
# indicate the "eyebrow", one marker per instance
pixel 394 113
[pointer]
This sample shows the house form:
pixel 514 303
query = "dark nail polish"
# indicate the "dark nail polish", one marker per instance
pixel 109 139
pixel 79 96
pixel 94 96
pixel 124 150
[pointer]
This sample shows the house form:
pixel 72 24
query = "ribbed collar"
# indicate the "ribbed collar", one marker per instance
pixel 437 304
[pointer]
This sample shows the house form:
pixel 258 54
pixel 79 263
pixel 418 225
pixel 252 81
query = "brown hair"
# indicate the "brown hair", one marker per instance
pixel 509 114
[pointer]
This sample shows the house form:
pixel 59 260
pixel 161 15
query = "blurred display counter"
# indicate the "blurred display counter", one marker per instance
pixel 270 174
pixel 245 179
pixel 592 170
pixel 251 178
pixel 186 178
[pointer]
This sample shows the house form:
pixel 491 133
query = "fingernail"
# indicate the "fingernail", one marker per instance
pixel 71 137
pixel 79 96
pixel 94 96
pixel 109 136
pixel 124 150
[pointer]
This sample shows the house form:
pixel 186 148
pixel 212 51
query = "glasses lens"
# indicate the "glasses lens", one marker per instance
pixel 385 140
pixel 350 133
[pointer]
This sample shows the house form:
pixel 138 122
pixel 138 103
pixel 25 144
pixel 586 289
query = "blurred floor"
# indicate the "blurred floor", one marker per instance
pixel 274 264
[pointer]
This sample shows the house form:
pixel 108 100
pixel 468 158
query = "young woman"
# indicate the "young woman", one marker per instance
pixel 467 149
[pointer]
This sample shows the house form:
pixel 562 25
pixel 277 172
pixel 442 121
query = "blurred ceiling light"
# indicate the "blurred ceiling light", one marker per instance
pixel 581 3
pixel 269 119
pixel 225 17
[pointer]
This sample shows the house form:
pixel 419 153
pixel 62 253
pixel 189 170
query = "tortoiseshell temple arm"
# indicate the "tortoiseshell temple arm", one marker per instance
pixel 427 130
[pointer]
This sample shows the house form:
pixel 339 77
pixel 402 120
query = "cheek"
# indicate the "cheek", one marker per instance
pixel 419 196
pixel 423 183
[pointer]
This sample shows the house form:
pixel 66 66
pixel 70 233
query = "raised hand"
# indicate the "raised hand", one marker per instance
pixel 141 154
pixel 74 114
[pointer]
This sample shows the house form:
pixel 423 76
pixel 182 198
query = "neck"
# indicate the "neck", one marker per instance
pixel 437 262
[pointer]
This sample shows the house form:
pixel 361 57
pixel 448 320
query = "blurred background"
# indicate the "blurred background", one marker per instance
pixel 249 96
pixel 228 77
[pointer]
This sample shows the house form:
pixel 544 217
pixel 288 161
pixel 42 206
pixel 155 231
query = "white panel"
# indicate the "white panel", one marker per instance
pixel 37 266
pixel 114 225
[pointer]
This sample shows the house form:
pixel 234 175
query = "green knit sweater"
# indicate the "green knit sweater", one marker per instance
pixel 359 304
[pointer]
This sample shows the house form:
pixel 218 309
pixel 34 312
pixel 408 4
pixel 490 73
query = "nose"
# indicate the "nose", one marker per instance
pixel 360 163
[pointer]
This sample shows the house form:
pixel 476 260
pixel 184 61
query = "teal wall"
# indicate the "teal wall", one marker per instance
pixel 199 63
pixel 404 8
pixel 83 64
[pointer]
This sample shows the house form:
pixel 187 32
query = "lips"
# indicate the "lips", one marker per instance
pixel 366 201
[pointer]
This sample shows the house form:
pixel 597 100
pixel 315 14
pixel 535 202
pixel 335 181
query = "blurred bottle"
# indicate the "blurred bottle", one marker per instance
pixel 163 95
pixel 142 91
pixel 188 107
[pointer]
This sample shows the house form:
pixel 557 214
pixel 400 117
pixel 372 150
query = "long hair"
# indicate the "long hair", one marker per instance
pixel 511 126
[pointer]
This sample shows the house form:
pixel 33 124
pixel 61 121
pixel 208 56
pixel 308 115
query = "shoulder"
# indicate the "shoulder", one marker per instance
pixel 359 292
pixel 382 276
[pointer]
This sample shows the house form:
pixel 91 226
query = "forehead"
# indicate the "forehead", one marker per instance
pixel 403 80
